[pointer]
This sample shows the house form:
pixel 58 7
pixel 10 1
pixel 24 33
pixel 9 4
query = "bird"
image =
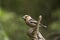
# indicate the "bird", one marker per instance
pixel 31 22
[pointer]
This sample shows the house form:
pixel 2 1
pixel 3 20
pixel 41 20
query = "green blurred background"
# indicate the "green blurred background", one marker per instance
pixel 13 27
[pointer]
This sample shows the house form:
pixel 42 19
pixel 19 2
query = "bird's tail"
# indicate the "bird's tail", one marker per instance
pixel 41 25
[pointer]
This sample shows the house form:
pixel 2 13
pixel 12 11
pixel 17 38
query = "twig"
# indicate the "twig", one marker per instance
pixel 34 33
pixel 37 35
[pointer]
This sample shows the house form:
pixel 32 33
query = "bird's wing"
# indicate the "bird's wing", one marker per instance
pixel 33 21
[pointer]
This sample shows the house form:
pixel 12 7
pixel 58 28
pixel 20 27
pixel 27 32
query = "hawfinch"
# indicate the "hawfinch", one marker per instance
pixel 31 22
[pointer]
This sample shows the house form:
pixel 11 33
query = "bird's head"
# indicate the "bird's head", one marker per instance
pixel 27 17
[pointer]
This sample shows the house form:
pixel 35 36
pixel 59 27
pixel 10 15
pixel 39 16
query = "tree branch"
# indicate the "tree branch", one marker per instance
pixel 37 34
pixel 34 33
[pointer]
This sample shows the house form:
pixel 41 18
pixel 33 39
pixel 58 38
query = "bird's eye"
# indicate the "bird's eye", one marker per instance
pixel 26 17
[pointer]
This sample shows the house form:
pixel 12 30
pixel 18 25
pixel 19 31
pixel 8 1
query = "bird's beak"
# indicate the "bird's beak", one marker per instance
pixel 23 17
